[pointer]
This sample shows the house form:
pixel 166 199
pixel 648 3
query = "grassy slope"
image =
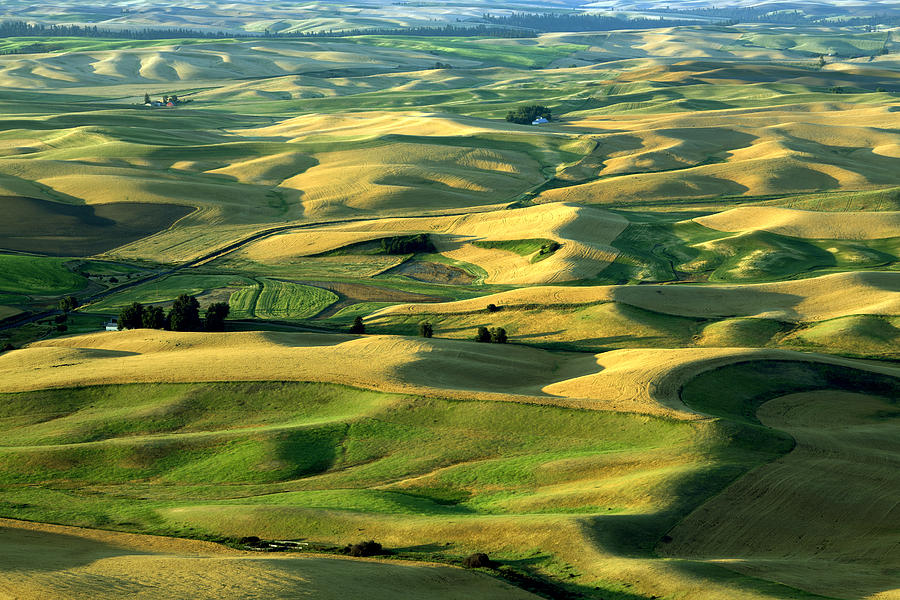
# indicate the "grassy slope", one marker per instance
pixel 31 275
pixel 167 289
pixel 330 456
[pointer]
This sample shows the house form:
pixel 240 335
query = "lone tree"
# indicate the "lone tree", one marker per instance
pixel 358 326
pixel 68 303
pixel 492 307
pixel 147 98
pixel 132 316
pixel 483 335
pixel 215 316
pixel 498 335
pixel 185 314
pixel 425 329
pixel 479 560
pixel 526 115
pixel 154 318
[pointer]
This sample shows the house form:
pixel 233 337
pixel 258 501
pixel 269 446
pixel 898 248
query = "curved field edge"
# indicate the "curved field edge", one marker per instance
pixel 819 517
pixel 461 502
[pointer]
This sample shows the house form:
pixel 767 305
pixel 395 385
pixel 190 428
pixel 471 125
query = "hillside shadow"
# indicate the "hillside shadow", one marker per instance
pixel 34 550
pixel 56 229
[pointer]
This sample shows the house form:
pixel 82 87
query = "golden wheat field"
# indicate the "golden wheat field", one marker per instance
pixel 452 301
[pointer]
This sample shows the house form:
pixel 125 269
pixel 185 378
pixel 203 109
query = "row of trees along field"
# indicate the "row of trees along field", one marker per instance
pixel 183 316
pixel 426 329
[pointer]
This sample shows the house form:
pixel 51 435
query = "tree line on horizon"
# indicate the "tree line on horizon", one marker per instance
pixel 557 22
pixel 10 29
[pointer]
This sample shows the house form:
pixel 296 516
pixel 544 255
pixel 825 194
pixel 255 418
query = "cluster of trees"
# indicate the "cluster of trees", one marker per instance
pixel 549 248
pixel 526 115
pixel 407 244
pixel 765 14
pixel 173 98
pixel 25 29
pixel 183 316
pixel 68 304
pixel 368 548
pixel 545 22
pixel 496 335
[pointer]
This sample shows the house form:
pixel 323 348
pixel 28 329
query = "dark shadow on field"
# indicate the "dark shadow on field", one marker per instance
pixel 57 229
pixel 751 385
pixel 29 550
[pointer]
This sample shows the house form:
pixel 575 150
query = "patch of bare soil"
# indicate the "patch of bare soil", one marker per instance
pixel 431 272
pixel 354 293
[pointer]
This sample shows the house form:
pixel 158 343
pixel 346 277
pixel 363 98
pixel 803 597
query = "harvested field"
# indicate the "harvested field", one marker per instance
pixel 822 518
pixel 56 229
pixel 816 298
pixel 807 224
pixel 628 380
pixel 43 561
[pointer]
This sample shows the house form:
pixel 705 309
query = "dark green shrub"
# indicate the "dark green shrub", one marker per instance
pixel 369 548
pixel 425 329
pixel 68 303
pixel 498 335
pixel 358 326
pixel 479 560
pixel 492 308
pixel 483 335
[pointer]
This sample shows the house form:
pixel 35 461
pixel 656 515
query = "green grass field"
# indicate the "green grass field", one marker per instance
pixel 332 453
pixel 275 299
pixel 165 290
pixel 31 275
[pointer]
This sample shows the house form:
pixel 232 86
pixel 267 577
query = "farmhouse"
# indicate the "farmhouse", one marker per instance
pixel 112 324
pixel 540 121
